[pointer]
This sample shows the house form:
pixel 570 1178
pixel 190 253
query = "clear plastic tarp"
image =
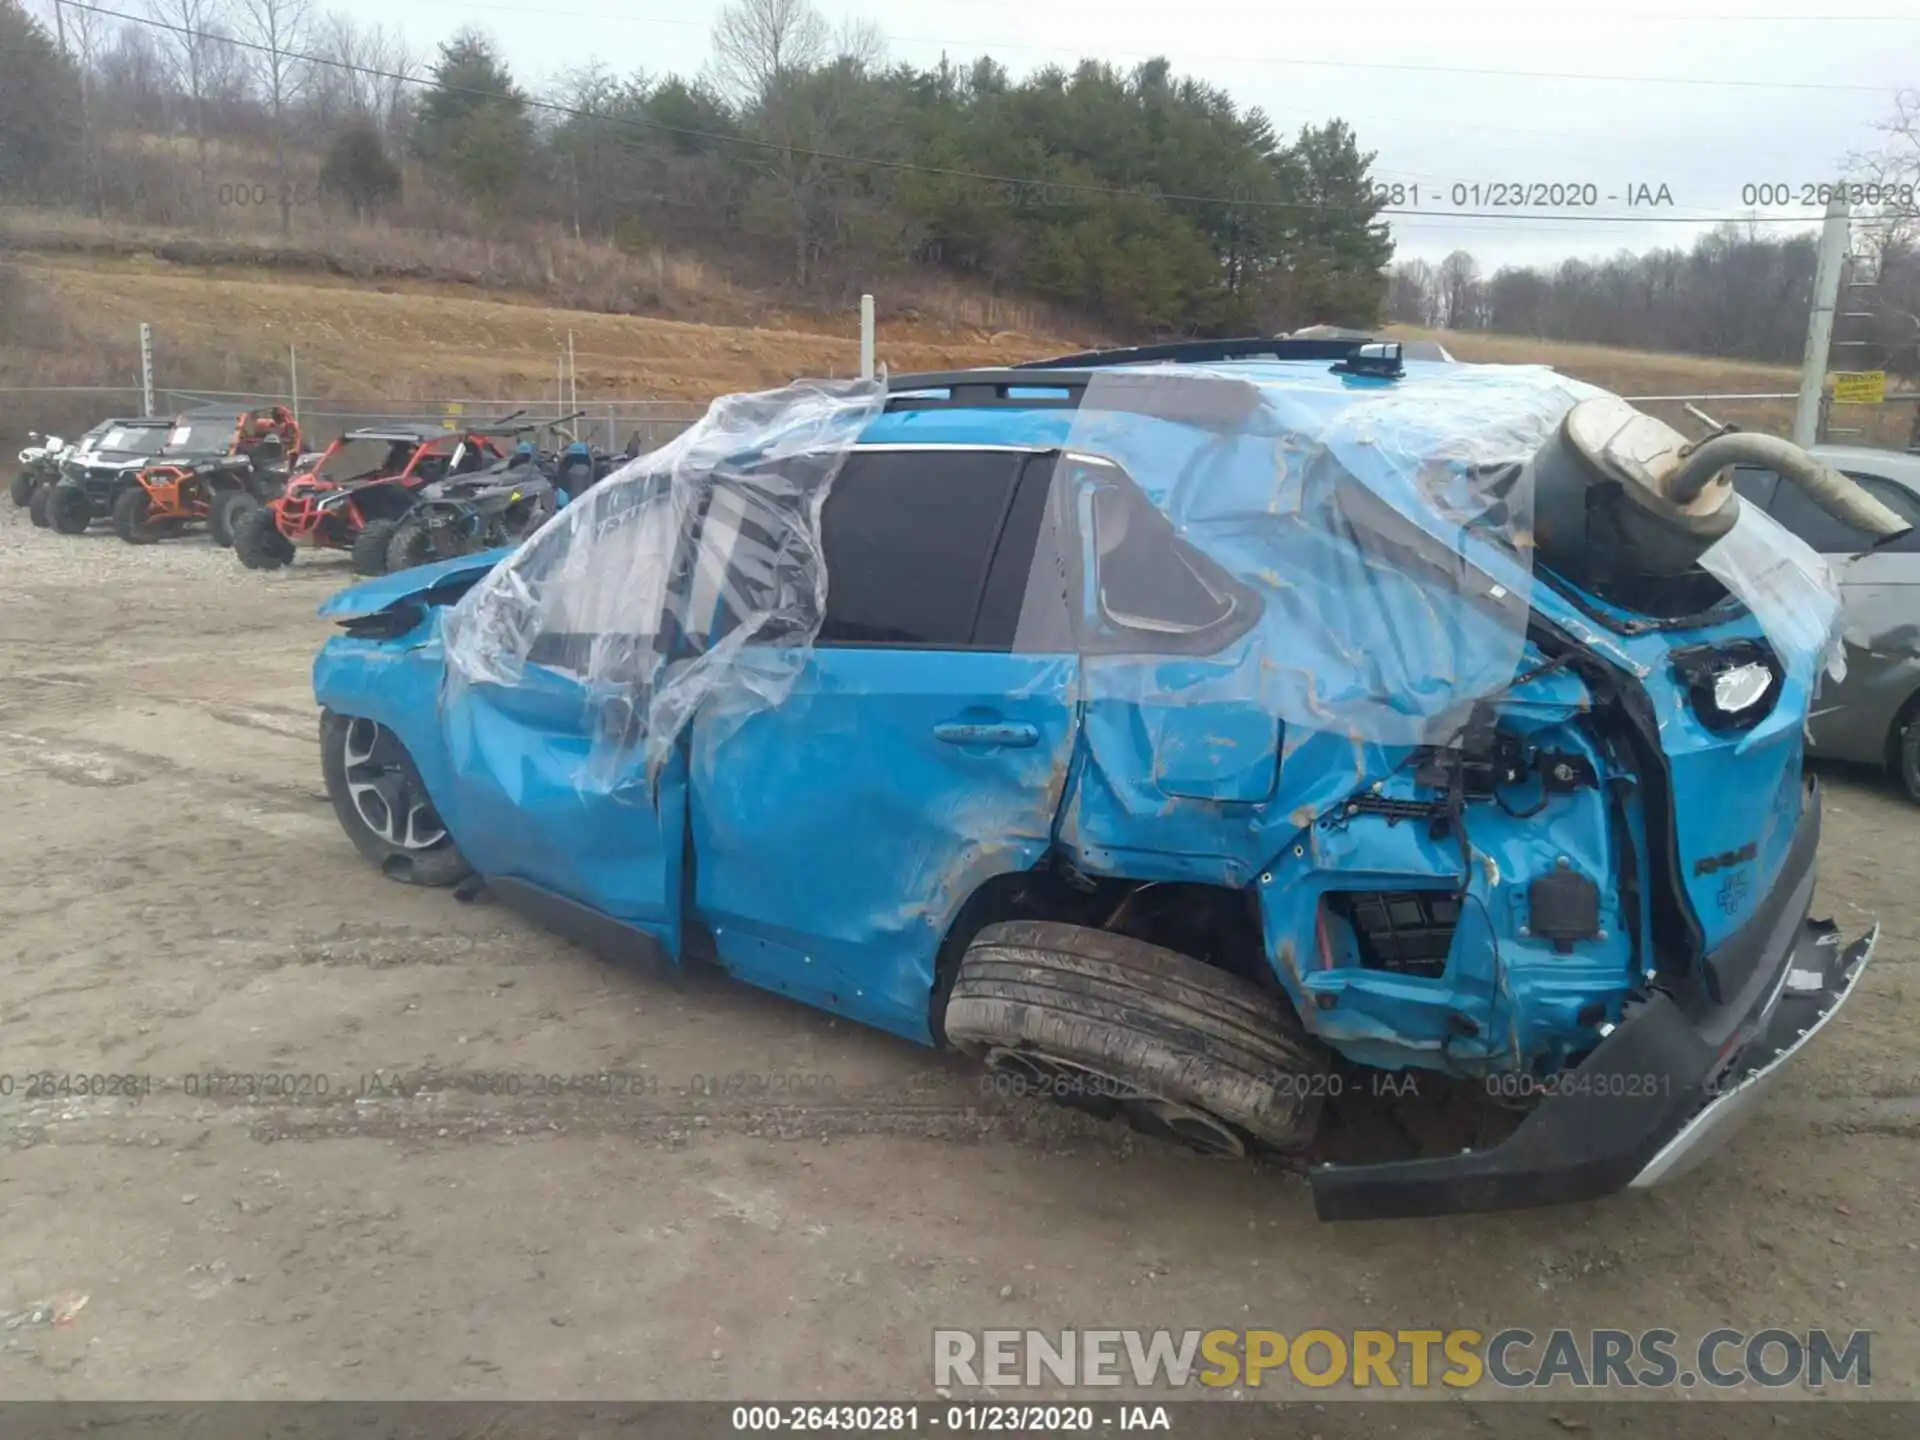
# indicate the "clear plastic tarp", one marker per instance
pixel 1791 591
pixel 1349 554
pixel 647 592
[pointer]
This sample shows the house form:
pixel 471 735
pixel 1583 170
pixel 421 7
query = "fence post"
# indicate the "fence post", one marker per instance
pixel 866 337
pixel 146 367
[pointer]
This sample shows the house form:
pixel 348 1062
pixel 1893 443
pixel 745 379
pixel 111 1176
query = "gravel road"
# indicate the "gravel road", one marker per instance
pixel 435 1211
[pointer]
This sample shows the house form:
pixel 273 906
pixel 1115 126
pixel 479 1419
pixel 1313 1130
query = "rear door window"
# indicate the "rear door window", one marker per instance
pixel 911 538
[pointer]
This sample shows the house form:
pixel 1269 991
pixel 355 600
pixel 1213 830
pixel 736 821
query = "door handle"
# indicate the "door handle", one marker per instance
pixel 1010 735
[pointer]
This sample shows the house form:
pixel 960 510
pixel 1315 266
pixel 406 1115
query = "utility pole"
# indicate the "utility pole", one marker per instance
pixel 866 337
pixel 1826 294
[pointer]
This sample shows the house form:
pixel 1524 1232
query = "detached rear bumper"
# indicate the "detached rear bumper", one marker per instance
pixel 1662 1091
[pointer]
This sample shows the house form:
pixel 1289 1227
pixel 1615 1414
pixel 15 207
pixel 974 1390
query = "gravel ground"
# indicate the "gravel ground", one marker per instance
pixel 183 902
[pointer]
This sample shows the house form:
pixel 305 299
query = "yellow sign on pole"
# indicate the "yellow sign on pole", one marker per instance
pixel 1860 387
pixel 452 418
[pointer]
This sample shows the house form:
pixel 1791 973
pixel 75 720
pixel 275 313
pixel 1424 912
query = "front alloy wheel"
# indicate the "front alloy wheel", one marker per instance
pixel 388 799
pixel 382 804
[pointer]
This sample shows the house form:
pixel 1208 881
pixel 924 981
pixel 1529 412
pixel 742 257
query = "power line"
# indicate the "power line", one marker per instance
pixel 1017 182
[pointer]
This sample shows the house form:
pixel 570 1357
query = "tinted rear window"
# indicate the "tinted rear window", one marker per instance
pixel 909 538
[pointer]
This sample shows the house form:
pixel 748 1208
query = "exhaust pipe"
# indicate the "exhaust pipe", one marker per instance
pixel 1833 492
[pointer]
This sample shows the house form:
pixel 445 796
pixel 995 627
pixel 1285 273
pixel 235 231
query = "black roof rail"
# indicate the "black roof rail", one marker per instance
pixel 1192 399
pixel 1205 352
pixel 977 389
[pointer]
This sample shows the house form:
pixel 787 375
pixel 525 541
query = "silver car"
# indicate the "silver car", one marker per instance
pixel 1872 715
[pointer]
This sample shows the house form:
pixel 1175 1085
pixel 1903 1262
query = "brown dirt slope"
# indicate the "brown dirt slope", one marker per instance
pixel 399 341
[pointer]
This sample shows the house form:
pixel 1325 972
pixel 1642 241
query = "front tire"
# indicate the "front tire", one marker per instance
pixel 370 546
pixel 1183 1050
pixel 258 543
pixel 22 488
pixel 412 545
pixel 70 510
pixel 382 804
pixel 40 506
pixel 225 512
pixel 132 512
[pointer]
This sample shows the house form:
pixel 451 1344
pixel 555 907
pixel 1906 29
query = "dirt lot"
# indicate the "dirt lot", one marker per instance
pixel 181 901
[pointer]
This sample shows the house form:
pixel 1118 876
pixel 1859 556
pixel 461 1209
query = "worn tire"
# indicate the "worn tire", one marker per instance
pixel 1161 1033
pixel 69 510
pixel 22 488
pixel 132 509
pixel 1906 758
pixel 38 506
pixel 258 542
pixel 225 513
pixel 370 546
pixel 442 864
pixel 412 545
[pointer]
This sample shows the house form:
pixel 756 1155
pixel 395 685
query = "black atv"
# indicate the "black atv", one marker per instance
pixel 93 472
pixel 464 514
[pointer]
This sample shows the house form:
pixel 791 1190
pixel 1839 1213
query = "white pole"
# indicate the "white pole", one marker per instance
pixel 293 382
pixel 146 368
pixel 573 377
pixel 866 337
pixel 1826 296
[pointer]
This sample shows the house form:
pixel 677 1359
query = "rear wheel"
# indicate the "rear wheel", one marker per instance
pixel 1111 1024
pixel 382 804
pixel 225 513
pixel 370 546
pixel 132 516
pixel 258 542
pixel 1907 758
pixel 22 488
pixel 70 510
pixel 39 506
pixel 412 545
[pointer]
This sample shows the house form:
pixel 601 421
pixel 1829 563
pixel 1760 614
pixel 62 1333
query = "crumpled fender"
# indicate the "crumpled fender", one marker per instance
pixel 370 597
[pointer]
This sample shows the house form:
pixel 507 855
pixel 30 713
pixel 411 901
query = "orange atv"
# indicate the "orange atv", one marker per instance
pixel 356 496
pixel 192 482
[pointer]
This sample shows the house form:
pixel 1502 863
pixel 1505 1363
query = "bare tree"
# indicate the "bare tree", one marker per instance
pixel 191 27
pixel 1411 294
pixel 135 82
pixel 759 46
pixel 86 31
pixel 1459 285
pixel 282 29
pixel 365 72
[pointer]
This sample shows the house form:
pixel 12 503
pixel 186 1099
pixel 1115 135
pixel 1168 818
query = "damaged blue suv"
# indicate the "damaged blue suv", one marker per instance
pixel 1175 729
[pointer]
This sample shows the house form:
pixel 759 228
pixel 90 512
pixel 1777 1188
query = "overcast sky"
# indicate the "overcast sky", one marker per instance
pixel 1703 102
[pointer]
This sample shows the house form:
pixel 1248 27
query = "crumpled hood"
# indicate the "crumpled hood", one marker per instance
pixel 370 597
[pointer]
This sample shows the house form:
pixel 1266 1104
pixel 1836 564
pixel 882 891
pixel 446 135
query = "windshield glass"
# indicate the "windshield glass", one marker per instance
pixel 201 435
pixel 362 456
pixel 134 439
